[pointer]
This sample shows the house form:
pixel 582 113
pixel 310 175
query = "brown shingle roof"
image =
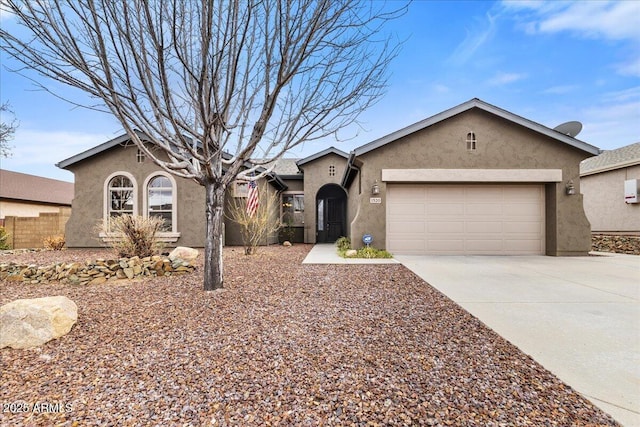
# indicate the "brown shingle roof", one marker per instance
pixel 628 155
pixel 31 188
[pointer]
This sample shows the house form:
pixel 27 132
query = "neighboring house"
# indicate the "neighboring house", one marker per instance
pixel 24 195
pixel 603 185
pixel 474 179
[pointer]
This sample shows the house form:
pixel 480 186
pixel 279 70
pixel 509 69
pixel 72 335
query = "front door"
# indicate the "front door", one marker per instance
pixel 331 214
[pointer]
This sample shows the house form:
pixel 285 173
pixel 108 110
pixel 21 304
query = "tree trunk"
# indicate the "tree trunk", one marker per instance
pixel 213 273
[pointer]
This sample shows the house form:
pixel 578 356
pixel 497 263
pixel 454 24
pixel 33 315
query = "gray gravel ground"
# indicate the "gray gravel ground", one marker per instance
pixel 284 344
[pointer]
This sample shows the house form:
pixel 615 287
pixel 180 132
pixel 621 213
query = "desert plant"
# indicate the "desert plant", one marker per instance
pixel 256 225
pixel 54 243
pixel 371 252
pixel 4 239
pixel 132 235
pixel 343 244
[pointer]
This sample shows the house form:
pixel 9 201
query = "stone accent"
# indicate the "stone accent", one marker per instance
pixel 351 253
pixel 27 323
pixel 184 253
pixel 95 272
pixel 286 243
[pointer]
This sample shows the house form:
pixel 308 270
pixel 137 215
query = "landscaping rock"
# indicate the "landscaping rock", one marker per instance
pixel 351 253
pixel 286 243
pixel 27 323
pixel 184 253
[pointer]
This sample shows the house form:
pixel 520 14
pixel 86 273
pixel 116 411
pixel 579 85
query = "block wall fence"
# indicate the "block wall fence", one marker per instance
pixel 29 232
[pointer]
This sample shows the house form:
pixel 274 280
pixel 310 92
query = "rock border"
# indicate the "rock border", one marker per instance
pixel 95 272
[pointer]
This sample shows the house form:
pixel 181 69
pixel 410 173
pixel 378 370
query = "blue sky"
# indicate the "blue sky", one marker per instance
pixel 550 62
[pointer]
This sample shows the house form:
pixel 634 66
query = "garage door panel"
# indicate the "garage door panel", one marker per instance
pixel 465 218
pixel 484 246
pixel 533 227
pixel 409 227
pixel 483 209
pixel 445 208
pixel 445 227
pixel 434 245
pixel 407 209
pixel 483 227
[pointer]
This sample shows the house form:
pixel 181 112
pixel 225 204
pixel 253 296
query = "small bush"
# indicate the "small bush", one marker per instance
pixel 133 236
pixel 343 244
pixel 4 239
pixel 369 252
pixel 54 243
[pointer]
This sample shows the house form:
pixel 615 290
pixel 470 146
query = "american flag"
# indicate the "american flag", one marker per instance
pixel 252 198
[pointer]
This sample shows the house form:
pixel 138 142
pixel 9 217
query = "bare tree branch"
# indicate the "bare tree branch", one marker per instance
pixel 212 83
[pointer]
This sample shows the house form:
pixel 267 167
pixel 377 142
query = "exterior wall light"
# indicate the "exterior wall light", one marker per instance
pixel 375 189
pixel 570 189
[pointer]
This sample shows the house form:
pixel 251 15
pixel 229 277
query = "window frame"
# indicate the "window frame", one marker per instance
pixel 106 205
pixel 472 141
pixel 292 194
pixel 166 236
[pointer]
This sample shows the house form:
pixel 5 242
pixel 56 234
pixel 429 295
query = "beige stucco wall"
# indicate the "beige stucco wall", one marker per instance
pixel 25 209
pixel 316 175
pixel 88 202
pixel 604 201
pixel 501 144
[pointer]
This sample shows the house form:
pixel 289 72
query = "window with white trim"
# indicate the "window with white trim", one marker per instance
pixel 292 213
pixel 121 196
pixel 471 141
pixel 140 156
pixel 160 200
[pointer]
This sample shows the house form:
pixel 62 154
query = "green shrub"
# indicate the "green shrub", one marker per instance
pixel 54 243
pixel 4 239
pixel 370 252
pixel 133 236
pixel 343 244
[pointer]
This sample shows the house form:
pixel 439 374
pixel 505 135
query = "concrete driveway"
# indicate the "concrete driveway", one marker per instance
pixel 577 316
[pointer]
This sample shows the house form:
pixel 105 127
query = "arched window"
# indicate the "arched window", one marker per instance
pixel 121 195
pixel 160 200
pixel 471 141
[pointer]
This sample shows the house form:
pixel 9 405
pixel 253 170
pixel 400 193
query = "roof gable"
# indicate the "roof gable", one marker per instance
pixel 31 188
pixel 475 103
pixel 626 156
pixel 316 156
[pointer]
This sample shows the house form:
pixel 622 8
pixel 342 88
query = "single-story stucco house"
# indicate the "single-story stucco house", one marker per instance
pixel 474 179
pixel 608 182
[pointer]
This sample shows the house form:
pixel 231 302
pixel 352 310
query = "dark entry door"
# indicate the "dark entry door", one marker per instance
pixel 335 219
pixel 331 214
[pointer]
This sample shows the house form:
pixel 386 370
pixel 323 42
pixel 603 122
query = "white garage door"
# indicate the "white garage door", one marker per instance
pixel 498 219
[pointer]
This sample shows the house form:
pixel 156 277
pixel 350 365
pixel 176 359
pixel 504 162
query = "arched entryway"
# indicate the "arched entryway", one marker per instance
pixel 331 213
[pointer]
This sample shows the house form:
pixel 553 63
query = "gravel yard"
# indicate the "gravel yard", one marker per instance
pixel 283 344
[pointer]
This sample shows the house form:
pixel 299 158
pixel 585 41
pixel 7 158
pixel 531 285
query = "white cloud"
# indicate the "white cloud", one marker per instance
pixel 629 68
pixel 505 78
pixel 614 121
pixel 609 20
pixel 474 40
pixel 560 90
pixel 36 151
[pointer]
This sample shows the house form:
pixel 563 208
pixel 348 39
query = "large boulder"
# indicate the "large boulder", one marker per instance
pixel 184 253
pixel 27 323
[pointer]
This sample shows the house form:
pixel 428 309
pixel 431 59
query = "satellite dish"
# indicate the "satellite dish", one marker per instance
pixel 570 128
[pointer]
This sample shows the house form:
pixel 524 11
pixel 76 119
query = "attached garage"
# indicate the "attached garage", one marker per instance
pixel 465 219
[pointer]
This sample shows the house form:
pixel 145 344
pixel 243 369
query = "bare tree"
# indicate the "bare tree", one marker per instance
pixel 257 225
pixel 211 82
pixel 7 129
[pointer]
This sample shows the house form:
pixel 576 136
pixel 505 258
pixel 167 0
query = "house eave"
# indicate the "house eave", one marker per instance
pixel 330 150
pixel 477 103
pixel 64 164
